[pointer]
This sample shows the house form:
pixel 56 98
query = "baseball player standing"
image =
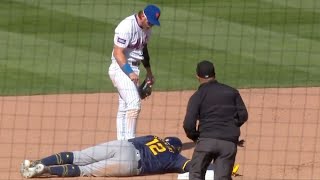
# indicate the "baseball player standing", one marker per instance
pixel 130 49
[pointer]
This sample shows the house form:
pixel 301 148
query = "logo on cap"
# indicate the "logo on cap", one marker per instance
pixel 157 15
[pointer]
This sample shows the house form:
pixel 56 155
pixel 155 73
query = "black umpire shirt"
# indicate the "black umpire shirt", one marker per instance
pixel 220 111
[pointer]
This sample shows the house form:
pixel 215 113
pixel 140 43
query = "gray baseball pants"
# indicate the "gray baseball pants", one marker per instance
pixel 114 159
pixel 223 154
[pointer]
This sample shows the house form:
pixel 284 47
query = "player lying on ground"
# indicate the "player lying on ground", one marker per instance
pixel 138 156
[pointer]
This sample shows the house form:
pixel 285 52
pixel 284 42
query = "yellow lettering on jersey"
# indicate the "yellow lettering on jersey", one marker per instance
pixel 155 146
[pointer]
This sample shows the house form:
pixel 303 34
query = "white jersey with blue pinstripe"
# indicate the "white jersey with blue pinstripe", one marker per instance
pixel 130 36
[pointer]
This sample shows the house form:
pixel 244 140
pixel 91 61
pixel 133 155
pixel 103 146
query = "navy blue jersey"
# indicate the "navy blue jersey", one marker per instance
pixel 159 157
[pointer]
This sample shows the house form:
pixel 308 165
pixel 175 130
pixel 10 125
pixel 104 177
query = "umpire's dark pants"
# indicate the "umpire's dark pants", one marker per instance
pixel 222 152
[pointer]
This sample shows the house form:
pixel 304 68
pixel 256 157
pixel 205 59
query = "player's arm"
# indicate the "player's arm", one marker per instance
pixel 121 41
pixel 146 63
pixel 242 114
pixel 183 164
pixel 118 53
pixel 192 115
pixel 186 166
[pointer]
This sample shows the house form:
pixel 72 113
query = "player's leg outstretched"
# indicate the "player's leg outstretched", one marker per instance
pixel 60 165
pixel 40 170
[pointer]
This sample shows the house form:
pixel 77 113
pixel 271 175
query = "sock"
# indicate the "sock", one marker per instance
pixel 65 170
pixel 58 159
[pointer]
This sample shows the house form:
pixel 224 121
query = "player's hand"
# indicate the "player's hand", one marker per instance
pixel 134 78
pixel 150 78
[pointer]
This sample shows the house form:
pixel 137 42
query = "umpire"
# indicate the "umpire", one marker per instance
pixel 221 112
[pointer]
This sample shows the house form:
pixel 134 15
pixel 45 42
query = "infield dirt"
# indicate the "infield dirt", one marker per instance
pixel 282 134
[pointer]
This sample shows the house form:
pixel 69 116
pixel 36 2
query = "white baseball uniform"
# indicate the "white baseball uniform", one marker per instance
pixel 128 35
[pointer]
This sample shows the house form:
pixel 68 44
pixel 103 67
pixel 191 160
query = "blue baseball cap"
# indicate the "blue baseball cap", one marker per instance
pixel 152 13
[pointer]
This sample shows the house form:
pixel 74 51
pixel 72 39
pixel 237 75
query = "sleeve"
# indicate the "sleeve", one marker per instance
pixel 182 164
pixel 122 34
pixel 192 115
pixel 242 114
pixel 146 60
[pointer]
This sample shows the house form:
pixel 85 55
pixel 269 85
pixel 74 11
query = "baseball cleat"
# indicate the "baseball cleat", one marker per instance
pixel 24 165
pixel 33 171
pixel 27 164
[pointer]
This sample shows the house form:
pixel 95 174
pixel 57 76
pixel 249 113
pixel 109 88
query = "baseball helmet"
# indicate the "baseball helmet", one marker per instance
pixel 174 142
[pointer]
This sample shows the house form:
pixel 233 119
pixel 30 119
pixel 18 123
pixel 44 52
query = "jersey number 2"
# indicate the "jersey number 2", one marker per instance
pixel 156 147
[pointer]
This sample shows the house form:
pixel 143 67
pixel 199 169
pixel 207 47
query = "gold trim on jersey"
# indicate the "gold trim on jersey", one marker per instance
pixel 185 164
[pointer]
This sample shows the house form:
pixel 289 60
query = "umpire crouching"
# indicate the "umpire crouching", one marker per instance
pixel 221 112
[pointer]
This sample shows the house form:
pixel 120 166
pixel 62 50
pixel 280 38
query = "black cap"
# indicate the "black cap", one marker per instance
pixel 205 69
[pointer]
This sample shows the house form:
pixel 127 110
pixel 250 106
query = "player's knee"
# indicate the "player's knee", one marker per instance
pixel 134 104
pixel 132 113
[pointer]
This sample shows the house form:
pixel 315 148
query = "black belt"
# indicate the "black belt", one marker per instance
pixel 135 63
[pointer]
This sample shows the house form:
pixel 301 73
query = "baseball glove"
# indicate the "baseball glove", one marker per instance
pixel 145 89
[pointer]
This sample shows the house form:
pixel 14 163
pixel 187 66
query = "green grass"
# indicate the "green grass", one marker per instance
pixel 65 46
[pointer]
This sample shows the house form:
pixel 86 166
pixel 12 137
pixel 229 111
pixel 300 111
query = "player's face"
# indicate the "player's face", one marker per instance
pixel 146 23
